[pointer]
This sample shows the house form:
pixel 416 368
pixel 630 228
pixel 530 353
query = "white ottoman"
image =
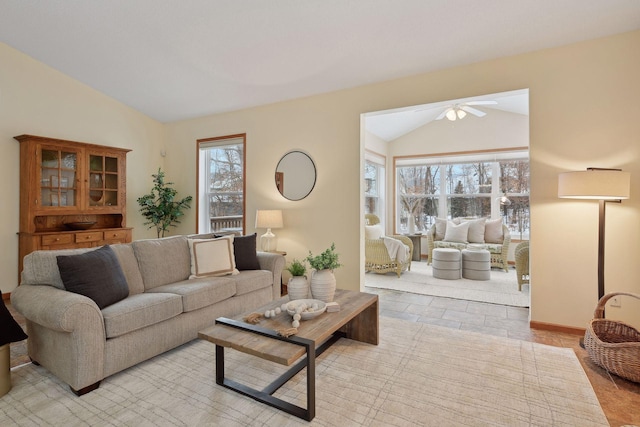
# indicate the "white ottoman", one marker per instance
pixel 476 264
pixel 446 263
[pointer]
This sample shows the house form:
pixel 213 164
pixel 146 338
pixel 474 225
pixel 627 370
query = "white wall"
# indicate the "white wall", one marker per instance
pixel 583 112
pixel 38 100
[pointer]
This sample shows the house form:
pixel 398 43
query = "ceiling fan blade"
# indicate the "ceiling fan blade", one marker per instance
pixel 473 111
pixel 481 103
pixel 444 113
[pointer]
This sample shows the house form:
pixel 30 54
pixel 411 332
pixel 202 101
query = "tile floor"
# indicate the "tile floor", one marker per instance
pixel 620 399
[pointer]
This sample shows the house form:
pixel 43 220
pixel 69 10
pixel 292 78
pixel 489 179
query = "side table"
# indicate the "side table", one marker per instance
pixel 283 286
pixel 417 249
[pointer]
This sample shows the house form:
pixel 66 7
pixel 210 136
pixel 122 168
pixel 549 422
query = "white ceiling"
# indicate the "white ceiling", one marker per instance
pixel 175 60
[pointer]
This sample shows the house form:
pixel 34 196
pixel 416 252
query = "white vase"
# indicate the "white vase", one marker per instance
pixel 298 288
pixel 323 285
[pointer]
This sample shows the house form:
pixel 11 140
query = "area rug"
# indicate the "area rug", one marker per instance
pixel 419 374
pixel 501 289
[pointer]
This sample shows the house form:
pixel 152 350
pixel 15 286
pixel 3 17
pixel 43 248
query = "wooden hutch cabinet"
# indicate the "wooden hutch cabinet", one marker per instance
pixel 72 195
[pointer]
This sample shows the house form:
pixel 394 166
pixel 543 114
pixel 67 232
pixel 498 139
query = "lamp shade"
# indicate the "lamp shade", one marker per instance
pixel 269 219
pixel 596 184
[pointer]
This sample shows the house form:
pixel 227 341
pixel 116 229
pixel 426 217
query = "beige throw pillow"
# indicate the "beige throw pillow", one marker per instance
pixel 212 257
pixel 476 230
pixel 372 231
pixel 441 228
pixel 493 231
pixel 457 232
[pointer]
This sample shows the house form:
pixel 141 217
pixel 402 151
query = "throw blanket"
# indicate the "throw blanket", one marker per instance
pixel 397 250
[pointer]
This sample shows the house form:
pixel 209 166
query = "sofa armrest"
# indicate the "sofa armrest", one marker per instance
pixel 273 262
pixel 55 308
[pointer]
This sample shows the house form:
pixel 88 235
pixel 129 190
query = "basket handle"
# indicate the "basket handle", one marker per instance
pixel 599 312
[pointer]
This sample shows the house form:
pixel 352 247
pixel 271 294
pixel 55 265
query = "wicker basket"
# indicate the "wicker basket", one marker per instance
pixel 613 345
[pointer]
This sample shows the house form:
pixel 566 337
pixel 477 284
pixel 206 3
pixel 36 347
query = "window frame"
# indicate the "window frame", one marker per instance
pixel 203 225
pixel 443 197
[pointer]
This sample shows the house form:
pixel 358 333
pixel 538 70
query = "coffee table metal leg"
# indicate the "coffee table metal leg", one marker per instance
pixel 266 395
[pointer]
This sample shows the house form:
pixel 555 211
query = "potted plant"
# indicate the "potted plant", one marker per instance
pixel 159 207
pixel 298 286
pixel 323 281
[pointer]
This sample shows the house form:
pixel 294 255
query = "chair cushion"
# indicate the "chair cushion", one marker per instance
pixel 95 274
pixel 372 231
pixel 139 311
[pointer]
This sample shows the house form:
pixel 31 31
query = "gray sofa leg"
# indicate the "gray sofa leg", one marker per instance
pixel 86 389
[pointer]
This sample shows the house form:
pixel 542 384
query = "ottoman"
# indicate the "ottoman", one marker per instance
pixel 476 264
pixel 446 263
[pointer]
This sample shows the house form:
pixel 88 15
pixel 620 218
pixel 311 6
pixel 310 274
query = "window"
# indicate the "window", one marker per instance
pixel 470 186
pixel 374 189
pixel 221 184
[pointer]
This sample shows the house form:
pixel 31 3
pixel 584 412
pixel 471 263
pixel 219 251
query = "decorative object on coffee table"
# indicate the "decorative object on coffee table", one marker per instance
pixel 10 332
pixel 323 282
pixel 298 286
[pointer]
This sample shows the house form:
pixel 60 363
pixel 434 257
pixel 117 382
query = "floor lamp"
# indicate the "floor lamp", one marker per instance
pixel 605 185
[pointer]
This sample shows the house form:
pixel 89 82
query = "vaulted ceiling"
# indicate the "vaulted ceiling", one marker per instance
pixel 176 60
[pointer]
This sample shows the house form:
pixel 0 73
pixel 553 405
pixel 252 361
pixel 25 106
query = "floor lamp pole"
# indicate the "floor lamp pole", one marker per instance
pixel 601 222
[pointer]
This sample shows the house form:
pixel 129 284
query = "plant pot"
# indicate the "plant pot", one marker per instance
pixel 323 285
pixel 298 288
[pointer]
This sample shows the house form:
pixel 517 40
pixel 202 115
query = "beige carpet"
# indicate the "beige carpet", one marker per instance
pixel 419 375
pixel 501 289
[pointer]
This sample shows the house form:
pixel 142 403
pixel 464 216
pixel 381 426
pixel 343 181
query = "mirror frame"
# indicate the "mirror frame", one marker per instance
pixel 278 174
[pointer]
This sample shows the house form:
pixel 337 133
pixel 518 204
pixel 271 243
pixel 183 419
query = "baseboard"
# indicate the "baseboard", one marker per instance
pixel 6 297
pixel 556 328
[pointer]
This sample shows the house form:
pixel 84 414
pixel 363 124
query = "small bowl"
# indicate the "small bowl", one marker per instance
pixel 306 315
pixel 80 225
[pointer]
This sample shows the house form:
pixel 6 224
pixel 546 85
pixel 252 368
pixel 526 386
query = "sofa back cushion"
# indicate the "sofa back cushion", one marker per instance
pixel 163 261
pixel 41 267
pixel 493 231
pixel 129 265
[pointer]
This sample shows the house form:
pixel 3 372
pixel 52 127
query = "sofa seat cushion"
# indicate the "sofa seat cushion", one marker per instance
pixel 252 280
pixel 201 292
pixel 494 248
pixel 139 311
pixel 449 245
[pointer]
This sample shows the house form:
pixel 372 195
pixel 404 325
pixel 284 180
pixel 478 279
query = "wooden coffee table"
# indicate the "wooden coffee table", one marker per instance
pixel 356 320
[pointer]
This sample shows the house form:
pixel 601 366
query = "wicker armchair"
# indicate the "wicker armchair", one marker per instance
pixel 522 263
pixel 376 256
pixel 499 251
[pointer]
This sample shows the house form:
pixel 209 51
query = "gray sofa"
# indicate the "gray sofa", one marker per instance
pixel 82 344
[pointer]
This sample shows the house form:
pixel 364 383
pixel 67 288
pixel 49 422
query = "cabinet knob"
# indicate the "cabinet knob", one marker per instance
pixel 57 239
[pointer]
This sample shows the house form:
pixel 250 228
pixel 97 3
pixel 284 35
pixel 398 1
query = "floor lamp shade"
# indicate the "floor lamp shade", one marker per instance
pixel 269 219
pixel 595 184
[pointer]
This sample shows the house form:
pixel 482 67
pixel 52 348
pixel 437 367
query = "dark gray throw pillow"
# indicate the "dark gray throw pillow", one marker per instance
pixel 95 274
pixel 244 250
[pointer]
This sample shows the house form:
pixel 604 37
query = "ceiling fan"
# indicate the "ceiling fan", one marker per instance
pixel 459 111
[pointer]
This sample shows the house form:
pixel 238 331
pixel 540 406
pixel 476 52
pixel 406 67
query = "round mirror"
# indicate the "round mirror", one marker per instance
pixel 295 175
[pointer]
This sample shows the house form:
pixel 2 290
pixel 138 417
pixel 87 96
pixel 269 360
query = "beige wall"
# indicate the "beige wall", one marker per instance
pixel 38 100
pixel 583 112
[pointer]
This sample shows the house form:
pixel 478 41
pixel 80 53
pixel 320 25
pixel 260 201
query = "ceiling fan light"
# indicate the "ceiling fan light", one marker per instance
pixel 461 114
pixel 451 114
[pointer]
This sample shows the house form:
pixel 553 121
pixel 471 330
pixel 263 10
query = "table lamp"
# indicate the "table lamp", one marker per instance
pixel 268 219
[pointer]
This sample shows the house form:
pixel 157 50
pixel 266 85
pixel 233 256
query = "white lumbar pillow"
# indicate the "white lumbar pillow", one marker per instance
pixel 456 232
pixel 212 257
pixel 372 231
